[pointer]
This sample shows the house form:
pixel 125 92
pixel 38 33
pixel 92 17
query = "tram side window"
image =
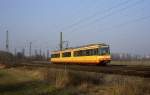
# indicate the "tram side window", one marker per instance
pixel 89 52
pixel 95 51
pixel 75 53
pixel 83 52
pixel 55 55
pixel 78 53
pixel 66 54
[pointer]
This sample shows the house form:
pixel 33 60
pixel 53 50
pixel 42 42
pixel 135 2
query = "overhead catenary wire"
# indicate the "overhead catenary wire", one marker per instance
pixel 95 14
pixel 109 14
pixel 128 22
pixel 74 16
pixel 118 11
pixel 134 20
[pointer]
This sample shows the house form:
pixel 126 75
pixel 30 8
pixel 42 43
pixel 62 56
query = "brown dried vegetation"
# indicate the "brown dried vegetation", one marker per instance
pixel 19 81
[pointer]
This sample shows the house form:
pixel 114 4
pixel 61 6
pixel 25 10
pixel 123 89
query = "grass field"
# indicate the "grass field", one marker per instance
pixel 22 82
pixel 33 81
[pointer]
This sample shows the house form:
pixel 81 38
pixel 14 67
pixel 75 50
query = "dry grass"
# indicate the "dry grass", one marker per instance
pixel 88 83
pixel 134 62
pixel 129 87
pixel 19 81
pixel 62 79
pixel 69 78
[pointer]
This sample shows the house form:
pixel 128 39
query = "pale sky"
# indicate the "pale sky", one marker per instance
pixel 123 24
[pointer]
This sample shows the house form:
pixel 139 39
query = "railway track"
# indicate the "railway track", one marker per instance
pixel 141 71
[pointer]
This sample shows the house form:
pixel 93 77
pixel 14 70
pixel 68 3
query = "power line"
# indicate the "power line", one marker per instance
pixel 94 15
pixel 112 13
pixel 131 21
pixel 77 16
pixel 134 20
pixel 120 10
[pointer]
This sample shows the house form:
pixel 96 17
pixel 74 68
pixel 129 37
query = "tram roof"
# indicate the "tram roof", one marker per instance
pixel 83 46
